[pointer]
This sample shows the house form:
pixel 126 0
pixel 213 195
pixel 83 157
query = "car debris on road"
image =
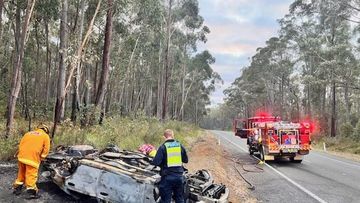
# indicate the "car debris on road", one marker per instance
pixel 115 175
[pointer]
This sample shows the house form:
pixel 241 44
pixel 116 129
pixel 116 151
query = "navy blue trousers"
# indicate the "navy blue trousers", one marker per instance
pixel 172 186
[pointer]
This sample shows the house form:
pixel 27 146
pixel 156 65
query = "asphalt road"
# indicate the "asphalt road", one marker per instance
pixel 319 178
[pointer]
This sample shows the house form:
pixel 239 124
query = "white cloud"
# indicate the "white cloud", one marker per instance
pixel 238 27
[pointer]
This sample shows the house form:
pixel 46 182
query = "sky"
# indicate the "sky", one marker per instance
pixel 238 28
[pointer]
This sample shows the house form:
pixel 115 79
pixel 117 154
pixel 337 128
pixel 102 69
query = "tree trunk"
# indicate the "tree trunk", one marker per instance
pixel 73 65
pixel 48 66
pixel 149 102
pixel 95 81
pixel 76 96
pixel 16 76
pixel 74 104
pixel 1 8
pixel 37 93
pixel 108 98
pixel 167 62
pixel 183 86
pixel 159 85
pixel 282 96
pixel 308 101
pixel 86 101
pixel 196 112
pixel 333 111
pixel 186 94
pixel 27 104
pixel 347 102
pixel 106 58
pixel 60 106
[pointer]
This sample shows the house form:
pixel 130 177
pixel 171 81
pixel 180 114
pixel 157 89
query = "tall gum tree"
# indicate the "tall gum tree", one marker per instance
pixel 17 71
pixel 104 77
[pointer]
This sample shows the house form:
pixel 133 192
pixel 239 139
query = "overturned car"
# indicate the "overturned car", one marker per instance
pixel 114 175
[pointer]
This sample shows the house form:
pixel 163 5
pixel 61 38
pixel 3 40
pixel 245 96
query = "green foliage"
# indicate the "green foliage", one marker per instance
pixel 127 133
pixel 356 133
pixel 346 130
pixel 340 144
pixel 137 61
pixel 296 74
pixel 8 148
pixel 220 118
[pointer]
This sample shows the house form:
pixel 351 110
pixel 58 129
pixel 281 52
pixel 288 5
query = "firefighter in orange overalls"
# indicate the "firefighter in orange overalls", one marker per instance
pixel 33 148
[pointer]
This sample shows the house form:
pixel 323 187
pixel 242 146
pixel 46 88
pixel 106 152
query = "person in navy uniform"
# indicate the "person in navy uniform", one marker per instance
pixel 170 158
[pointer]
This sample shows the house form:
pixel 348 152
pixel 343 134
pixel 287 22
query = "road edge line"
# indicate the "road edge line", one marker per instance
pixel 283 175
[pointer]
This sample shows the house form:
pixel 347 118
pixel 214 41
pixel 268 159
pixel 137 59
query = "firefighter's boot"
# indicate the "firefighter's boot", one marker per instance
pixel 32 194
pixel 17 190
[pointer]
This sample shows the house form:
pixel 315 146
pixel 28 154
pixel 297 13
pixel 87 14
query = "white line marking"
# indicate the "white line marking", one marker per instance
pixel 282 175
pixel 342 162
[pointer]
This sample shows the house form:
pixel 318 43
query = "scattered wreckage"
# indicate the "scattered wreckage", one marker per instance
pixel 114 175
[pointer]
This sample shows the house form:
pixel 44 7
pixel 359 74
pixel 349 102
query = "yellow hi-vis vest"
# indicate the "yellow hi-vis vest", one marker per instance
pixel 173 152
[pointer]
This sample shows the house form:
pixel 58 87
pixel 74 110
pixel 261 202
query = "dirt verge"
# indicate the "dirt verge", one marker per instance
pixel 207 154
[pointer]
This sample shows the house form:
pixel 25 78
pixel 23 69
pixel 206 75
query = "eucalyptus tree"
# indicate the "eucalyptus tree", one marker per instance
pixel 311 69
pixel 20 38
pixel 334 36
pixel 152 65
pixel 60 105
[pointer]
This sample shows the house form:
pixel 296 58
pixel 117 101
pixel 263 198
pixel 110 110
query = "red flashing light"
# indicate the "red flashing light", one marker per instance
pixel 262 113
pixel 309 124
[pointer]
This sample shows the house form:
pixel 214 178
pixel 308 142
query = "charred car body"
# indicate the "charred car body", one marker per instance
pixel 113 175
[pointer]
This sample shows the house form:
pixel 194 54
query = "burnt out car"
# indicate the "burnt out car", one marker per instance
pixel 114 175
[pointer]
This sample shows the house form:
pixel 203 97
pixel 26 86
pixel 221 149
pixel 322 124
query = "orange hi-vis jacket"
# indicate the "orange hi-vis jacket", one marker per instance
pixel 34 147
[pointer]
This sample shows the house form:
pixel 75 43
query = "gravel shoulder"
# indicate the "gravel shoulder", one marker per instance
pixel 206 153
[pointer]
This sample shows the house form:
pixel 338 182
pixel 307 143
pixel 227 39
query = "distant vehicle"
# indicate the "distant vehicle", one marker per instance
pixel 273 138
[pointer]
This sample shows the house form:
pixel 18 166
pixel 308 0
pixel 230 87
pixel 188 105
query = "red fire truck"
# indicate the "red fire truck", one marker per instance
pixel 273 138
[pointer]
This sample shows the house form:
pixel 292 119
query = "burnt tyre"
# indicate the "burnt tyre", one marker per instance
pixel 292 159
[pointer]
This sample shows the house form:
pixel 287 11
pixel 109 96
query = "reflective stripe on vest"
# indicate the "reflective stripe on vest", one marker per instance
pixel 173 152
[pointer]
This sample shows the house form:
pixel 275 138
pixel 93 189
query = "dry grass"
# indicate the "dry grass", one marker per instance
pixel 127 133
pixel 339 146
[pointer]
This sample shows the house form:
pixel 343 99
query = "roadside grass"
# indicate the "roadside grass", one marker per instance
pixel 127 133
pixel 338 144
pixel 8 147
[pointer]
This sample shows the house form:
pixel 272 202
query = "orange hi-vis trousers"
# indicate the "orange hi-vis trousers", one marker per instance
pixel 26 175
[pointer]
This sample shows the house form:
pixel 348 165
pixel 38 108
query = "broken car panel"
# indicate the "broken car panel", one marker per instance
pixel 120 176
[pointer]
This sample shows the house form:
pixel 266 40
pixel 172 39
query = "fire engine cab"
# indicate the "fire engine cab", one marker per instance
pixel 273 138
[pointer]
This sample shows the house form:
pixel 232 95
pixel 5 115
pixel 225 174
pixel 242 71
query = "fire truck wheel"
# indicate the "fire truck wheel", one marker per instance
pixel 262 153
pixel 295 161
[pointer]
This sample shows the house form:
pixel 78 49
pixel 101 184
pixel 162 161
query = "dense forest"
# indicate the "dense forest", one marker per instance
pixel 87 60
pixel 310 70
